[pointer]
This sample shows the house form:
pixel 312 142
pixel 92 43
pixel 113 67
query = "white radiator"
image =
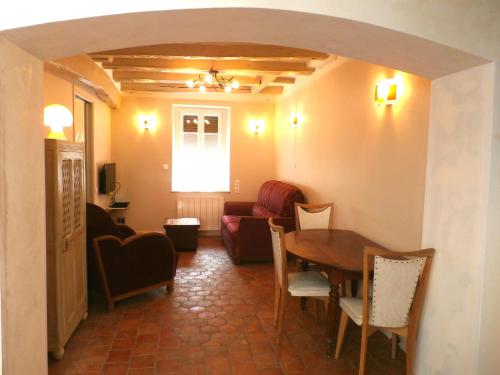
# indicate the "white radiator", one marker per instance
pixel 208 209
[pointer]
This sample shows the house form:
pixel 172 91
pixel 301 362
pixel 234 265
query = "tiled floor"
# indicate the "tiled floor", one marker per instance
pixel 218 320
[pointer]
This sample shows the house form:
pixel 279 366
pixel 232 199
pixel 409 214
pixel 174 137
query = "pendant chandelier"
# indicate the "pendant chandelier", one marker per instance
pixel 215 81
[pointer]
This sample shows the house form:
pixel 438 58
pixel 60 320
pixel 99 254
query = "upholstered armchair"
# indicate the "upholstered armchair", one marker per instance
pixel 244 226
pixel 121 263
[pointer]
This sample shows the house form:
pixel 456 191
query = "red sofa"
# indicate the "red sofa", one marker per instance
pixel 244 227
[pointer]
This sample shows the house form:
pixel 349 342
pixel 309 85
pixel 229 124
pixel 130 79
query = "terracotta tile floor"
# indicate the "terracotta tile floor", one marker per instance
pixel 218 320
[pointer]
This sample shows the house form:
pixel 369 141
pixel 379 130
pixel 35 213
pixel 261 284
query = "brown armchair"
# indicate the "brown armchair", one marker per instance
pixel 121 263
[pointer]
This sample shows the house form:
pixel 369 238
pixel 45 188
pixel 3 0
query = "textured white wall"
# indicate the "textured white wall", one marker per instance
pixel 22 213
pixel 489 339
pixel 455 214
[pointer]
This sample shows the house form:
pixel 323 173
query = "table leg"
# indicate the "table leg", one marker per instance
pixel 303 265
pixel 332 324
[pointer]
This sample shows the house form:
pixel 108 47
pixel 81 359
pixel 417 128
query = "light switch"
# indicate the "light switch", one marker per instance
pixel 164 167
pixel 236 186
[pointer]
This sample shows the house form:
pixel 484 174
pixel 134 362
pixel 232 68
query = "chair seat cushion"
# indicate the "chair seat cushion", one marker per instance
pixel 353 307
pixel 261 211
pixel 231 223
pixel 227 219
pixel 308 284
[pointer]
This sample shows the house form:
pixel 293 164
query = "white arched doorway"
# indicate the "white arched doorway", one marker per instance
pixel 351 34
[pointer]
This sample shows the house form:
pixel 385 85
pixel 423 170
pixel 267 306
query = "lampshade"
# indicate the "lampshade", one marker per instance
pixel 256 126
pixel 296 120
pixel 387 91
pixel 57 117
pixel 147 121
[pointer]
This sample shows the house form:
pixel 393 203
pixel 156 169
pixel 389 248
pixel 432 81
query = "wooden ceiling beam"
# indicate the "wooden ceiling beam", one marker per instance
pixel 221 51
pixel 275 90
pixel 174 88
pixel 146 87
pixel 160 77
pixel 264 82
pixel 233 67
pixel 285 80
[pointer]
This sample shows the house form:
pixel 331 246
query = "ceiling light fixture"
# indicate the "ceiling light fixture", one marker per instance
pixel 213 80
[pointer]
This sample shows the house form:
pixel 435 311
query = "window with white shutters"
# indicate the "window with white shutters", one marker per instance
pixel 200 149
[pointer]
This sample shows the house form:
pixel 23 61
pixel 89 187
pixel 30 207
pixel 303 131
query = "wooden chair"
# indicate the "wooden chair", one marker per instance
pixel 313 216
pixel 298 284
pixel 399 285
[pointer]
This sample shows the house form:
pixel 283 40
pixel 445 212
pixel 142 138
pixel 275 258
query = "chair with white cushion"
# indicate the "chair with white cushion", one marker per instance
pixel 299 284
pixel 399 285
pixel 313 216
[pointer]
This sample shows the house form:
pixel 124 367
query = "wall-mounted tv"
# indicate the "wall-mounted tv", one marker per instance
pixel 107 178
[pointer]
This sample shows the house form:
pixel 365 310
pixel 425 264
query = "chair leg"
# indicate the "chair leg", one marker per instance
pixel 410 354
pixel 343 289
pixel 277 298
pixel 362 355
pixel 344 319
pixel 394 340
pixel 281 315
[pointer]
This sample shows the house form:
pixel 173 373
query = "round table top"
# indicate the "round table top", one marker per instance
pixel 342 249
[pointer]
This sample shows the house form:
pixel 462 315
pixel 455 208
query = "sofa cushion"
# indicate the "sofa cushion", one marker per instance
pixel 231 224
pixel 282 199
pixel 261 211
pixel 226 219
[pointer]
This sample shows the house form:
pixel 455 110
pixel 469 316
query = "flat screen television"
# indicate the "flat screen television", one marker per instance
pixel 107 178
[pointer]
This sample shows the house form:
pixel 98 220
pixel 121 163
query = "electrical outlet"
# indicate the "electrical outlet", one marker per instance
pixel 236 186
pixel 164 167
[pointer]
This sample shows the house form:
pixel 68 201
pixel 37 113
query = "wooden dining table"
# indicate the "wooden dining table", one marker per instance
pixel 340 254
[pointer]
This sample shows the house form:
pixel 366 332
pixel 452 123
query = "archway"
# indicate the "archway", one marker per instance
pixel 318 31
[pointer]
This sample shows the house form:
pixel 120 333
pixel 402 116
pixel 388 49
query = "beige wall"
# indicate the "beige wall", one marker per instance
pixel 368 160
pixel 58 90
pixel 22 213
pixel 139 156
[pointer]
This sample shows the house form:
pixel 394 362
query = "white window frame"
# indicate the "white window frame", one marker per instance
pixel 178 110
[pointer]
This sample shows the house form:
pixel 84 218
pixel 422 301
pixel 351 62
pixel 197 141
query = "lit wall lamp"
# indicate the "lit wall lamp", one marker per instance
pixel 147 122
pixel 256 126
pixel 57 117
pixel 388 91
pixel 296 120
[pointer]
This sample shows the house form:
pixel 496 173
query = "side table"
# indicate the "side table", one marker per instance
pixel 183 232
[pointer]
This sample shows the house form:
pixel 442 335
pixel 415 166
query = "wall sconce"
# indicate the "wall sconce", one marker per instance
pixel 296 120
pixel 57 117
pixel 256 126
pixel 147 122
pixel 387 91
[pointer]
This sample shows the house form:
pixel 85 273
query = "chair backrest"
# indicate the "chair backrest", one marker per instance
pixel 399 283
pixel 99 223
pixel 279 254
pixel 313 216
